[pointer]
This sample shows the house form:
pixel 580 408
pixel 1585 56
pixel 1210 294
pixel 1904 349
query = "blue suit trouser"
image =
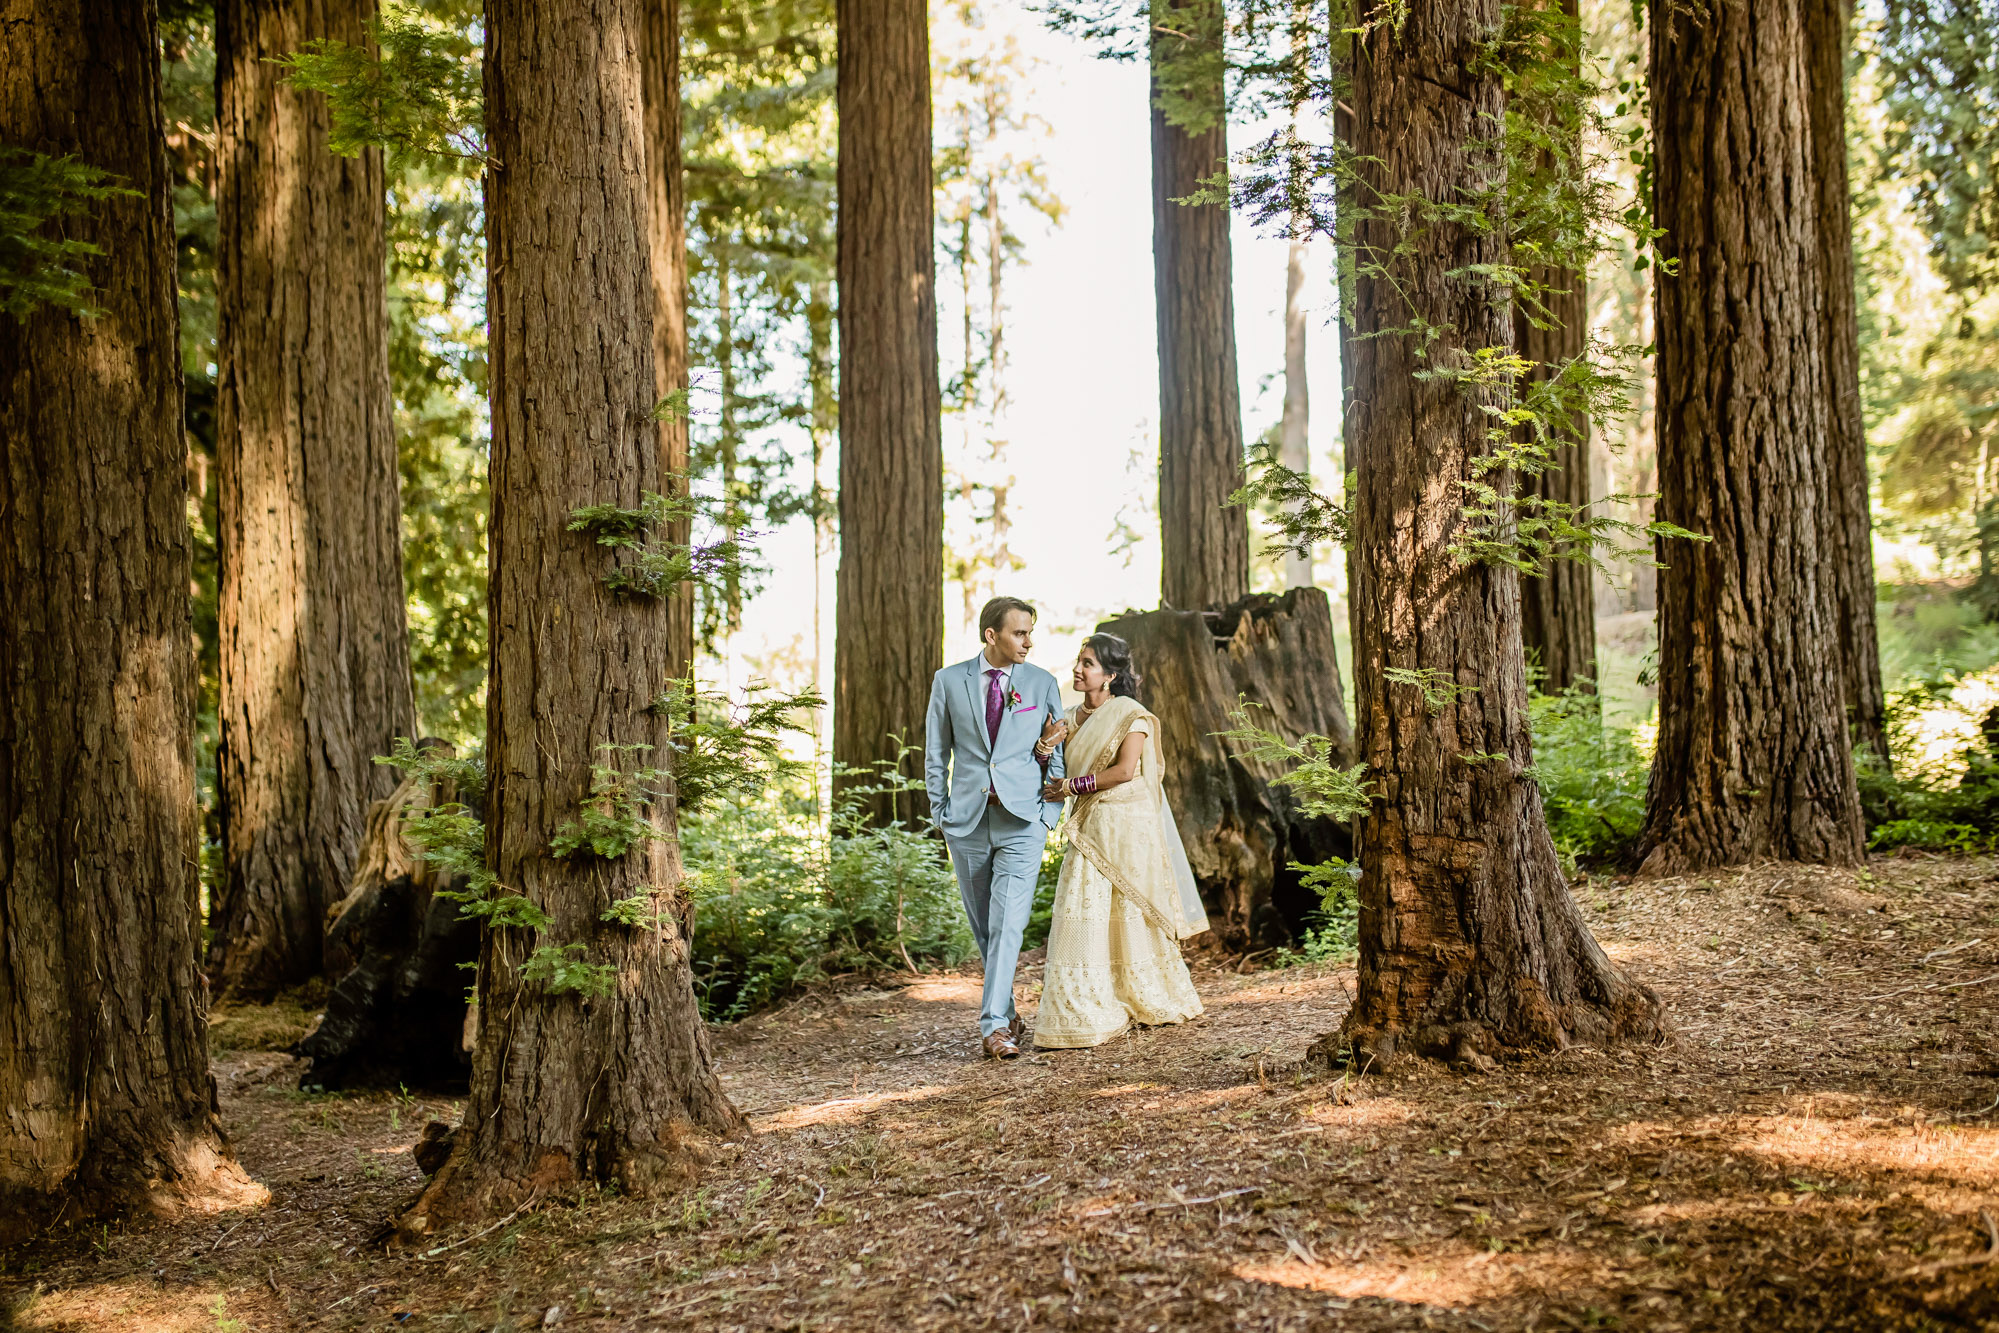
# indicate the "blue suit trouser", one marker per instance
pixel 997 864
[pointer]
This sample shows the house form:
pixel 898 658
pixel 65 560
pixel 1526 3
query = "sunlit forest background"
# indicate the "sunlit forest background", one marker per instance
pixel 1050 489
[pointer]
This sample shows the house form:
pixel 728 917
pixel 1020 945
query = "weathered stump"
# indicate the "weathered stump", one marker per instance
pixel 1242 832
pixel 397 1015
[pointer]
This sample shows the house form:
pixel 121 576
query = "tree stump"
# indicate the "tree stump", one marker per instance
pixel 1242 832
pixel 397 1015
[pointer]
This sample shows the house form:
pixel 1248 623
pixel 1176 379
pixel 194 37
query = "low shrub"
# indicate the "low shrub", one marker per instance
pixel 1592 778
pixel 779 904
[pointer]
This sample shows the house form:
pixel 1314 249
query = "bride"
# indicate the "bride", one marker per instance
pixel 1126 897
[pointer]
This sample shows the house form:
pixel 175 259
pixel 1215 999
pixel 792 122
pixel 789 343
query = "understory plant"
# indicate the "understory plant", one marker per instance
pixel 1939 807
pixel 780 904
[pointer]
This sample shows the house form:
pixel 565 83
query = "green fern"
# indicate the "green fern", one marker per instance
pixel 38 268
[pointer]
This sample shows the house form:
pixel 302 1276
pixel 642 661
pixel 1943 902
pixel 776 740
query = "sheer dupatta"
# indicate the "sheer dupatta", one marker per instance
pixel 1128 832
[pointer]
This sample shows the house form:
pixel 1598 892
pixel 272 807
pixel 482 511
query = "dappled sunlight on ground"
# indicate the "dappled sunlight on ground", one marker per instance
pixel 843 1110
pixel 1800 1156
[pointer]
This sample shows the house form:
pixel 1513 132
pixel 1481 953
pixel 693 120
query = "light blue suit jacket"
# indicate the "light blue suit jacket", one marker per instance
pixel 960 765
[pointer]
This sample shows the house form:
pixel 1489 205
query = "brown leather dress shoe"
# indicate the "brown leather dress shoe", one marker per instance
pixel 1017 1028
pixel 1000 1045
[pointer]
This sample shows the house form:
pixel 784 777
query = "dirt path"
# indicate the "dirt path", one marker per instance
pixel 1811 1152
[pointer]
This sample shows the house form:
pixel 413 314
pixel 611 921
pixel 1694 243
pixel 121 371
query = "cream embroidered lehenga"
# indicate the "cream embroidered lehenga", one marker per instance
pixel 1125 900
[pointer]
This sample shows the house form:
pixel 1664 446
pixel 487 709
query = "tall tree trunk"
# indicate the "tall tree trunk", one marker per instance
pixel 315 673
pixel 103 1011
pixel 1753 760
pixel 725 354
pixel 568 1086
pixel 1294 447
pixel 1204 540
pixel 889 628
pixel 1558 610
pixel 1468 937
pixel 825 421
pixel 666 204
pixel 1849 526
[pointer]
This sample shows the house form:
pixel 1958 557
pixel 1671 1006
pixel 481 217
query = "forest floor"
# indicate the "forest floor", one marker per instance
pixel 1815 1149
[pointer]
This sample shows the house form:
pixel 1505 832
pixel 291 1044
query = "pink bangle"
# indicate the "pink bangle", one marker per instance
pixel 1084 785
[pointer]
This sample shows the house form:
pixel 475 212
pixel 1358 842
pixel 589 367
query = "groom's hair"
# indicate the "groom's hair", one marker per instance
pixel 993 615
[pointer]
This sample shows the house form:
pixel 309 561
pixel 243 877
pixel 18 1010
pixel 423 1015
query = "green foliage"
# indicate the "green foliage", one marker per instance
pixel 654 567
pixel 1332 932
pixel 562 969
pixel 1439 688
pixel 1551 201
pixel 38 264
pixel 413 89
pixel 723 747
pixel 1913 805
pixel 437 367
pixel 1939 75
pixel 1323 788
pixel 617 815
pixel 780 905
pixel 1591 776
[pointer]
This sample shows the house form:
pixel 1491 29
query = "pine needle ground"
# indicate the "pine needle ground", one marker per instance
pixel 1817 1149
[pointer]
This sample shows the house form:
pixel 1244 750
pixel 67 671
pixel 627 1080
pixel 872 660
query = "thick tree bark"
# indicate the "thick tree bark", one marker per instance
pixel 1242 831
pixel 1849 527
pixel 888 638
pixel 1753 759
pixel 315 674
pixel 103 1010
pixel 569 1086
pixel 1469 940
pixel 1204 541
pixel 666 200
pixel 1558 611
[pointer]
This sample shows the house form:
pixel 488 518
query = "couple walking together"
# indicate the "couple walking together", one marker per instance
pixel 1000 759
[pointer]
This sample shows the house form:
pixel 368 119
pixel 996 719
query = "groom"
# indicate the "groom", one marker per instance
pixel 989 749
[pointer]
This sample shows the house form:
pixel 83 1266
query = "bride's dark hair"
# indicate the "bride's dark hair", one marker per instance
pixel 1114 656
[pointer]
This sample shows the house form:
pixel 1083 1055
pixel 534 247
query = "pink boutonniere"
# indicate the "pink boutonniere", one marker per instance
pixel 1013 698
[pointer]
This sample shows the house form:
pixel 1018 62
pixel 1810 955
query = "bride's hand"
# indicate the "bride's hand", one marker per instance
pixel 1055 731
pixel 1051 790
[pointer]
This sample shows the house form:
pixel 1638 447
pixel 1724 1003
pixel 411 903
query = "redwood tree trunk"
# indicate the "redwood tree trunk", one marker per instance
pixel 315 674
pixel 889 632
pixel 1243 831
pixel 1204 541
pixel 666 198
pixel 1468 937
pixel 1753 760
pixel 1849 525
pixel 567 1086
pixel 1558 610
pixel 103 1011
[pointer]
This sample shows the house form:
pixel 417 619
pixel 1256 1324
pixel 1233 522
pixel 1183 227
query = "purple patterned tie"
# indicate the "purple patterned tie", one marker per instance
pixel 995 705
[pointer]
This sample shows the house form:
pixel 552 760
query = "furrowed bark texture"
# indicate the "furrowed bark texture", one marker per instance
pixel 889 633
pixel 1849 521
pixel 103 1010
pixel 1558 611
pixel 315 673
pixel 1469 940
pixel 570 1087
pixel 1204 557
pixel 1242 829
pixel 1753 760
pixel 666 198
